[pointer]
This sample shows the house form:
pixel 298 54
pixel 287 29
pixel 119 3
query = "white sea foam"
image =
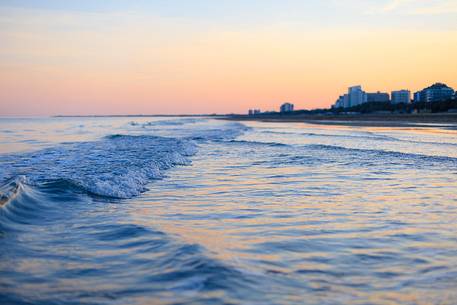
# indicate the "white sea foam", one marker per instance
pixel 116 166
pixel 119 165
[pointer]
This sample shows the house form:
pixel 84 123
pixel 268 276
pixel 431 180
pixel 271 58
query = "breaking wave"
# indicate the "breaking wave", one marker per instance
pixel 117 166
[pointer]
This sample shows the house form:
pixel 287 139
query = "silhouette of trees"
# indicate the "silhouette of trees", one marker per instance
pixel 419 107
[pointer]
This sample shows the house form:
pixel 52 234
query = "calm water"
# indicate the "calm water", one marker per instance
pixel 196 211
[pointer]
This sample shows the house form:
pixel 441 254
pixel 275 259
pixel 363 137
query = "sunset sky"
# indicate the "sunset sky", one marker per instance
pixel 210 56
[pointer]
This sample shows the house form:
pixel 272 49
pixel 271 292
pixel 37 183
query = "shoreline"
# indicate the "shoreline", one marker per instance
pixel 439 120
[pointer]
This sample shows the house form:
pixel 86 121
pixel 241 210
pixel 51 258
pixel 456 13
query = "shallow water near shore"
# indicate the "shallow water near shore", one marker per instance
pixel 200 211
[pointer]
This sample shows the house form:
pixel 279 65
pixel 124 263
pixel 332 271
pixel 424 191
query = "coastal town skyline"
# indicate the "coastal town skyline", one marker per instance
pixel 356 96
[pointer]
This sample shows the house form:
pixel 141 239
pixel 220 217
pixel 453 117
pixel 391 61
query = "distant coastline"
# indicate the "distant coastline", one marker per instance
pixel 445 120
pixel 138 115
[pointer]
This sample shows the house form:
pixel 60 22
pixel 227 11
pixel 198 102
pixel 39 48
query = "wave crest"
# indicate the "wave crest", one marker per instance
pixel 117 166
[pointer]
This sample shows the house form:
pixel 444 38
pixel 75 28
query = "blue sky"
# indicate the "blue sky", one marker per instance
pixel 406 13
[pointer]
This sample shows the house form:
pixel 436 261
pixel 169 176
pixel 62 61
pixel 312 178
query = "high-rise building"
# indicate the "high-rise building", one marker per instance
pixel 401 97
pixel 346 103
pixel 356 96
pixel 378 97
pixel 286 107
pixel 434 93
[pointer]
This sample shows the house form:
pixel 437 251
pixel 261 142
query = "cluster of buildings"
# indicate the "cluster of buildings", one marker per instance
pixel 436 92
pixel 356 96
pixel 254 111
pixel 286 107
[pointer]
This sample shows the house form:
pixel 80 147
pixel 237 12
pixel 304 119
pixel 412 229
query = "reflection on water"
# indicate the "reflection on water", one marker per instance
pixel 278 214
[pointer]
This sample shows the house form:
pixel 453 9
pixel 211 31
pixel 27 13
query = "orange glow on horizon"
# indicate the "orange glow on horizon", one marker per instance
pixel 138 70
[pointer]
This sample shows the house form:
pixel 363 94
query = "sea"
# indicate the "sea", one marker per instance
pixel 194 210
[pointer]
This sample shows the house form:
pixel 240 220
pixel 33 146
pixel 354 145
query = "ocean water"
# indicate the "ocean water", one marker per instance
pixel 202 211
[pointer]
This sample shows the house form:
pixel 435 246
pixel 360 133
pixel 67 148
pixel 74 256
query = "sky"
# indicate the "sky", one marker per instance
pixel 216 56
